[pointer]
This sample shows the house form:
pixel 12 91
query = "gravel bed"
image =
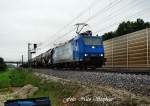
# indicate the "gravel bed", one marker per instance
pixel 139 84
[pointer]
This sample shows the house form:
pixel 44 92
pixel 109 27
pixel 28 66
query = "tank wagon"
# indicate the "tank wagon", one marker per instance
pixel 82 51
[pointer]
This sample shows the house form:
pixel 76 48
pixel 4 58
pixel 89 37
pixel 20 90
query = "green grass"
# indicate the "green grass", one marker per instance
pixel 56 91
pixel 17 78
pixel 4 79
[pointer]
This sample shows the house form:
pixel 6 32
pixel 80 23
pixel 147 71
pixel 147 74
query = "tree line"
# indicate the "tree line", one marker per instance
pixel 127 27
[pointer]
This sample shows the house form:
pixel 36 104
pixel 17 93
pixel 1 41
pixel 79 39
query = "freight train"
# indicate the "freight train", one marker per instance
pixel 83 51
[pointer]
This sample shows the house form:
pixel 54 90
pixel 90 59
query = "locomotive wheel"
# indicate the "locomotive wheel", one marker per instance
pixel 93 68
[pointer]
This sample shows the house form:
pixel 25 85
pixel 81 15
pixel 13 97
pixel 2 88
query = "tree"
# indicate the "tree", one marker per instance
pixel 127 27
pixel 2 64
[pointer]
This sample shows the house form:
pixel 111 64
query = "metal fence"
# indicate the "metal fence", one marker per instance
pixel 130 50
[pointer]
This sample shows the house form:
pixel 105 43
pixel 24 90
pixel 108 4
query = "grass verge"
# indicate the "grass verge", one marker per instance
pixel 17 78
pixel 56 91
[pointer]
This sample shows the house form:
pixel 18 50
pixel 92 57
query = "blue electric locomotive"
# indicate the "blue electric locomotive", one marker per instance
pixel 82 51
pixel 90 50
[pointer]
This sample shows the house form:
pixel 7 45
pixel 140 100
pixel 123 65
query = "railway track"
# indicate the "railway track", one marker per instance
pixel 143 71
pixel 136 83
pixel 136 71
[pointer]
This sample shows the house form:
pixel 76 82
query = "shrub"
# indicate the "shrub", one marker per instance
pixel 2 64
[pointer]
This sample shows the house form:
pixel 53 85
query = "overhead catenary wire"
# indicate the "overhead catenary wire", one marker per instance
pixel 109 26
pixel 63 35
pixel 113 3
pixel 116 14
pixel 107 7
pixel 113 14
pixel 110 16
pixel 135 3
pixel 131 16
pixel 95 2
pixel 79 15
pixel 119 11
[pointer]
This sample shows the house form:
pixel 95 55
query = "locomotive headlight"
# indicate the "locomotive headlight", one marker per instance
pixel 93 47
pixel 101 55
pixel 85 54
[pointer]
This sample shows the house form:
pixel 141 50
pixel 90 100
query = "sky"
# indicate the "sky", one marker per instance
pixel 47 22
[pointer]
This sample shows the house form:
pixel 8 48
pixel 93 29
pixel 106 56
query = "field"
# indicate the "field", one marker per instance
pixel 64 92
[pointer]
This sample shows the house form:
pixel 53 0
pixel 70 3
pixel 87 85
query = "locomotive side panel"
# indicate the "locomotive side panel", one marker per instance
pixel 63 53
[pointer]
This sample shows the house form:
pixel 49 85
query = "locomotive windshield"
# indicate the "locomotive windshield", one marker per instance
pixel 92 40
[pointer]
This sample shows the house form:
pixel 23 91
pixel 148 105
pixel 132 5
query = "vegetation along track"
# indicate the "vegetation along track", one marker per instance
pixel 138 84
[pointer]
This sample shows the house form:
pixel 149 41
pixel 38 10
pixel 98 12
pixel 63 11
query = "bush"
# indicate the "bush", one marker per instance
pixel 2 64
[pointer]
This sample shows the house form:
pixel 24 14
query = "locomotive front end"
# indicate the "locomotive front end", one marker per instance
pixel 93 54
